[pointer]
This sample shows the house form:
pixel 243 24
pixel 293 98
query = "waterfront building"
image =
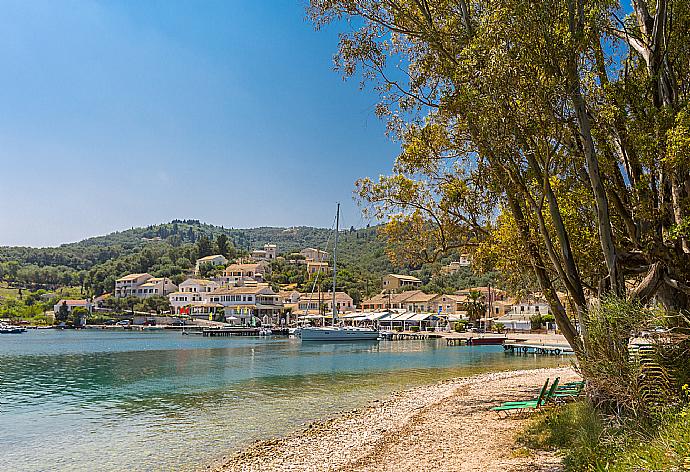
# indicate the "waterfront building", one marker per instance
pixel 246 302
pixel 519 318
pixel 143 286
pixel 189 295
pixel 389 300
pixel 72 304
pixel 323 302
pixel 214 260
pixel 399 282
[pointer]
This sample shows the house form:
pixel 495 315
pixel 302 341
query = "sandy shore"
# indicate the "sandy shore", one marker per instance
pixel 441 427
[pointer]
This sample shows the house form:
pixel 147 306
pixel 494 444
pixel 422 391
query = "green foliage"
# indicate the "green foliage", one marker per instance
pixel 592 442
pixel 63 313
pixel 461 326
pixel 78 314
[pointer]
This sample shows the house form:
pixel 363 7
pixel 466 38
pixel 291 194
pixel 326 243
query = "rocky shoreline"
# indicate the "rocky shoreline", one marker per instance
pixel 444 426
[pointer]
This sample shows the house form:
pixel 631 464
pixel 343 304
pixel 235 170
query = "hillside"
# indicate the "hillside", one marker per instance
pixel 171 249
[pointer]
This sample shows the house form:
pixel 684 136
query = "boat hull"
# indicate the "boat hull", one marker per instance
pixel 488 341
pixel 338 334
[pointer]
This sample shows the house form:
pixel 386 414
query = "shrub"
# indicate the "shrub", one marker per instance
pixel 593 442
pixel 414 328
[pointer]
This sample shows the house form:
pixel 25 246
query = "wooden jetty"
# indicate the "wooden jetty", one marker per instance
pixel 401 335
pixel 211 332
pixel 544 349
pixel 472 339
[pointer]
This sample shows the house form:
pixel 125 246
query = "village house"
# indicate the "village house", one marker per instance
pixel 189 295
pixel 519 318
pixel 154 286
pixel 420 302
pixel 127 285
pixel 314 255
pixel 268 253
pixel 314 266
pixel 389 300
pixel 215 260
pixel 392 282
pixel 323 302
pixel 242 304
pixel 235 273
pixel 72 304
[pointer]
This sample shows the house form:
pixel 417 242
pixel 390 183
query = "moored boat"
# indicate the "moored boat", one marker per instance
pixel 339 333
pixel 11 329
pixel 335 332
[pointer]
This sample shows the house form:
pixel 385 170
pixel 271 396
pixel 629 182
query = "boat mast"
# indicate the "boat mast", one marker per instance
pixel 335 267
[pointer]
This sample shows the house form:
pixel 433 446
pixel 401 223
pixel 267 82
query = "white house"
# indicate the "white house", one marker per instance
pixel 519 318
pixel 72 304
pixel 127 285
pixel 315 255
pixel 268 253
pixel 155 286
pixel 241 304
pixel 214 260
pixel 189 294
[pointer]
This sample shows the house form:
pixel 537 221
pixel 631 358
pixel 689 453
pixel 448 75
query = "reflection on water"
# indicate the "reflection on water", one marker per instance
pixel 163 401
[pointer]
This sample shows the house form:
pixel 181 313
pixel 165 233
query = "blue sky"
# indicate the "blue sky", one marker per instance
pixel 128 113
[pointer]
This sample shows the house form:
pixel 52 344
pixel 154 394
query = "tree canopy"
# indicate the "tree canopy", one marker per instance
pixel 551 134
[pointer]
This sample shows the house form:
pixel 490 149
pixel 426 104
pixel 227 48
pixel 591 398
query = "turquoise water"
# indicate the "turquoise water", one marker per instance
pixel 101 400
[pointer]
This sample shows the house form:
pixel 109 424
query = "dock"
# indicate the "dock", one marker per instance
pixel 543 349
pixel 402 335
pixel 212 332
pixel 474 339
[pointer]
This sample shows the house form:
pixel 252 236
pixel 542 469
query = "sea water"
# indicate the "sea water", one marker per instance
pixel 126 400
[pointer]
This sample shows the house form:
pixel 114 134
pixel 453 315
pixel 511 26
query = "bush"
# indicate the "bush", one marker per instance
pixel 460 326
pixel 591 442
pixel 414 329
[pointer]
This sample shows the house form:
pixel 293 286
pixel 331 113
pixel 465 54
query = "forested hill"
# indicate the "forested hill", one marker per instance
pixel 85 254
pixel 170 250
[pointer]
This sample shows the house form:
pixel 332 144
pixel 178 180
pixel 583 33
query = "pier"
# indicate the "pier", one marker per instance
pixel 543 349
pixel 211 332
pixel 401 335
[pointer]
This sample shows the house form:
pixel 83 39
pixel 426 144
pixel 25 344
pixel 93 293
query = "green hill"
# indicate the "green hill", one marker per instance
pixel 171 249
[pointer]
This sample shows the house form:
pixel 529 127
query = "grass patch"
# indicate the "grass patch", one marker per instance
pixel 591 442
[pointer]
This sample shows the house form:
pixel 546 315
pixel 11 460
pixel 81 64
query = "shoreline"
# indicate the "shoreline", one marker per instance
pixel 442 426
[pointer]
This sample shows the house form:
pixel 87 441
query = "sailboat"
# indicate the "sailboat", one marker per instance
pixel 336 332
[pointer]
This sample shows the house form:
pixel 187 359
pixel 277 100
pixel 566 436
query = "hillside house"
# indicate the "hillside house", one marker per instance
pixel 398 282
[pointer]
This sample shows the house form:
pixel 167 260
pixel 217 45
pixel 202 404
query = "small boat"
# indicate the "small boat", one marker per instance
pixel 11 329
pixel 339 333
pixel 486 340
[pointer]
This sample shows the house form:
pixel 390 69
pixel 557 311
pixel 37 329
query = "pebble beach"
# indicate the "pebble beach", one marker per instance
pixel 447 426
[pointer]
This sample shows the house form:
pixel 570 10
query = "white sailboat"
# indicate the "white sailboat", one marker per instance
pixel 336 332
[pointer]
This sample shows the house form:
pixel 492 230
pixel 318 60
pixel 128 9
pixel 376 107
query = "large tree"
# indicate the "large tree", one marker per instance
pixel 563 122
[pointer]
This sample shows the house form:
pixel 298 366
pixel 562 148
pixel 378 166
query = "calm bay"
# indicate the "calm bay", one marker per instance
pixel 123 400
